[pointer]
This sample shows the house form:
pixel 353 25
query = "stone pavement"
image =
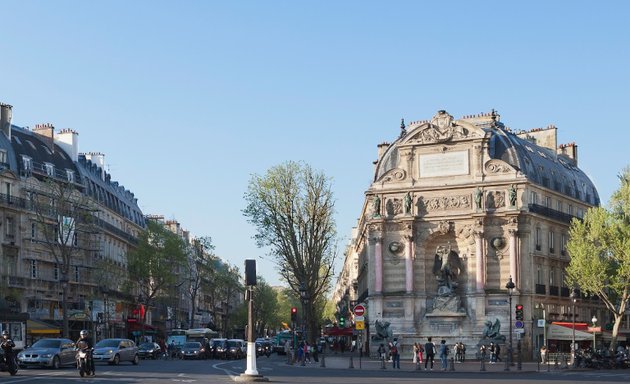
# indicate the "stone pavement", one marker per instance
pixel 343 361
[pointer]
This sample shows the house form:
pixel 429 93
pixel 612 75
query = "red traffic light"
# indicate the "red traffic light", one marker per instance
pixel 519 307
pixel 293 309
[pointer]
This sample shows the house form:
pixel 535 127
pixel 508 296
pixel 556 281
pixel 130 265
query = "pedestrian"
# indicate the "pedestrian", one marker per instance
pixel 429 349
pixel 463 348
pixel 420 351
pixel 287 351
pixel 395 354
pixel 543 354
pixel 414 358
pixel 382 352
pixel 443 354
pixel 493 353
pixel 498 348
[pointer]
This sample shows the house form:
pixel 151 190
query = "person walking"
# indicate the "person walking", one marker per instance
pixel 420 351
pixel 414 357
pixel 493 353
pixel 498 348
pixel 395 354
pixel 429 349
pixel 543 354
pixel 443 354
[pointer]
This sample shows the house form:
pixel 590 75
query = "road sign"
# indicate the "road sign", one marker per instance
pixel 594 329
pixel 359 325
pixel 359 318
pixel 519 324
pixel 359 310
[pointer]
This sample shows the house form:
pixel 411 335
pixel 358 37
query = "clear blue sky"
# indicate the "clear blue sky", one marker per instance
pixel 187 99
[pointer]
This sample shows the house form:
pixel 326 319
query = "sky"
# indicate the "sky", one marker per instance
pixel 189 99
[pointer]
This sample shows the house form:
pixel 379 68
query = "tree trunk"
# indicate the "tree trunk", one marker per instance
pixel 64 304
pixel 615 332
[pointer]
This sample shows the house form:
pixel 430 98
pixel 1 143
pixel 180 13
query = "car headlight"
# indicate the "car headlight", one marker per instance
pixel 20 355
pixel 150 351
pixel 47 355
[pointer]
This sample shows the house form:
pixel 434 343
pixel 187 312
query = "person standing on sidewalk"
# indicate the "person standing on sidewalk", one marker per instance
pixel 429 349
pixel 395 354
pixel 444 354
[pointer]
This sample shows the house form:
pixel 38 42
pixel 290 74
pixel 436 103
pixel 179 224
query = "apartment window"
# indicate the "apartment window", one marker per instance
pixel 27 163
pixel 534 197
pixel 33 230
pixel 538 240
pixel 76 273
pixel 559 206
pixel 50 169
pixel 548 202
pixel 540 276
pixel 7 190
pixel 9 229
pixel 3 156
pixel 552 276
pixel 34 269
pixel 551 242
pixel 570 210
pixel 580 213
pixel 70 175
pixel 563 244
pixel 56 272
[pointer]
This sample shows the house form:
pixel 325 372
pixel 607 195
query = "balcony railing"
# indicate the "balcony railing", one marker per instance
pixel 553 290
pixel 551 213
pixel 541 289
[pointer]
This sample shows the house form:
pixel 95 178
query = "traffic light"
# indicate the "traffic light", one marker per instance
pixel 342 321
pixel 519 313
pixel 294 314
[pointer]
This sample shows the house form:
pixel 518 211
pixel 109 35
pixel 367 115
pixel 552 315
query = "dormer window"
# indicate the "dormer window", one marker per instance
pixel 70 175
pixel 27 165
pixel 50 169
pixel 3 156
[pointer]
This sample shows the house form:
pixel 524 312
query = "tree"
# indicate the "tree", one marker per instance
pixel 67 223
pixel 198 270
pixel 292 209
pixel 600 253
pixel 265 307
pixel 156 263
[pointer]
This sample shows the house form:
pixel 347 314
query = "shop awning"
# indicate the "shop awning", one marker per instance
pixel 336 331
pixel 37 327
pixel 560 332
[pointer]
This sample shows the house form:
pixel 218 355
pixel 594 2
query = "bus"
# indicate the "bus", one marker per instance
pixel 178 336
pixel 200 334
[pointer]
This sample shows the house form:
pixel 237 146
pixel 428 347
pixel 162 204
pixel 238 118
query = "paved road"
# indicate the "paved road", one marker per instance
pixel 337 370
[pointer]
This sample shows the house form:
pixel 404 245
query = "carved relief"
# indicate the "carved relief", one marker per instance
pixel 443 227
pixel 394 207
pixel 442 128
pixel 447 202
pixel 393 175
pixel 495 199
pixel 497 166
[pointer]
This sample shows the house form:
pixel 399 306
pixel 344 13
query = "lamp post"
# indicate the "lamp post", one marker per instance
pixel 304 299
pixel 510 287
pixel 594 320
pixel 573 297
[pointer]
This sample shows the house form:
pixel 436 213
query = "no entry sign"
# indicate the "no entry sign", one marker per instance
pixel 359 310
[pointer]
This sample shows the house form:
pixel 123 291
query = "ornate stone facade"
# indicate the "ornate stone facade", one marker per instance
pixel 466 204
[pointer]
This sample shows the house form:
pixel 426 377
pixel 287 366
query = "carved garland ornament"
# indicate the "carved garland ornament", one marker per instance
pixel 498 166
pixel 448 202
pixel 440 129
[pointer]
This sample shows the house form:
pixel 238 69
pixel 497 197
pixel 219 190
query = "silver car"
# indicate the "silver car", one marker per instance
pixel 51 353
pixel 113 351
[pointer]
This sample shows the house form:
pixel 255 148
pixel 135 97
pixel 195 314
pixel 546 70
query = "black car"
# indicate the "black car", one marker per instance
pixel 263 347
pixel 218 348
pixel 149 351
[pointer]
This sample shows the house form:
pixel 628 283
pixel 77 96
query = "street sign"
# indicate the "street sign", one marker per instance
pixel 359 310
pixel 359 325
pixel 541 323
pixel 519 330
pixel 594 329
pixel 359 318
pixel 519 324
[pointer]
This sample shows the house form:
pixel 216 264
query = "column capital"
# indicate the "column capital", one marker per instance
pixel 375 239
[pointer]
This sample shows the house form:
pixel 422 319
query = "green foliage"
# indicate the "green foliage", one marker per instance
pixel 600 252
pixel 154 265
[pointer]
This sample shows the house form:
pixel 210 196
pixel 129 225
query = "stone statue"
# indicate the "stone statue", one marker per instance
pixel 382 330
pixel 408 203
pixel 376 205
pixel 512 195
pixel 492 331
pixel 478 197
pixel 446 268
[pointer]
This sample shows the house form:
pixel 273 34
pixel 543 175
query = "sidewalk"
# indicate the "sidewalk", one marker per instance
pixel 342 361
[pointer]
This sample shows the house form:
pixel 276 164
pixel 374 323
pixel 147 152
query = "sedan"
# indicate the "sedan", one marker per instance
pixel 192 350
pixel 149 350
pixel 51 353
pixel 113 351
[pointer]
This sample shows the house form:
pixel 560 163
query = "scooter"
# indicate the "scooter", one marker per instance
pixel 82 362
pixel 9 365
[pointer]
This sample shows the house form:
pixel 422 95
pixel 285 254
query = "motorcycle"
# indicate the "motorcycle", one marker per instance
pixel 83 355
pixel 9 364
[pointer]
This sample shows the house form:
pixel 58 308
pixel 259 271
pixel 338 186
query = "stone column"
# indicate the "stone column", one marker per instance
pixel 378 265
pixel 513 244
pixel 409 263
pixel 480 261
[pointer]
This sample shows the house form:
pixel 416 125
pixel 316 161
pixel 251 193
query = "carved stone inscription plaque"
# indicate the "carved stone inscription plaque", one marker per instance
pixel 444 164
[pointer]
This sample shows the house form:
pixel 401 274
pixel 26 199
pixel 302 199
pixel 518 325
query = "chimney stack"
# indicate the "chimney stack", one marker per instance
pixel 6 112
pixel 98 159
pixel 68 140
pixel 48 132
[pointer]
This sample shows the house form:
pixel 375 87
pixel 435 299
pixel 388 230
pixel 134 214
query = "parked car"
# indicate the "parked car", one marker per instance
pixel 192 350
pixel 218 348
pixel 236 349
pixel 114 351
pixel 149 351
pixel 263 347
pixel 52 353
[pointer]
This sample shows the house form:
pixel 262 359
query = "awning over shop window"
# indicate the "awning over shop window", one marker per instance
pixel 336 331
pixel 559 332
pixel 37 327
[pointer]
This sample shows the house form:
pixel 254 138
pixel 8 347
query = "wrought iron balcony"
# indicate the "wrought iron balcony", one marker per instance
pixel 551 213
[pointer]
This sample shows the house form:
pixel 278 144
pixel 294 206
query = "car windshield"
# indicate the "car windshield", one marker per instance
pixel 107 344
pixel 192 345
pixel 234 344
pixel 47 344
pixel 217 343
pixel 146 346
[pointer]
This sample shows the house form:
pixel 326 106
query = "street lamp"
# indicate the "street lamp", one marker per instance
pixel 573 297
pixel 510 287
pixel 594 320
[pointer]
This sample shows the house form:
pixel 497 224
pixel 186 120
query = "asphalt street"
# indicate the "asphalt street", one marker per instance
pixel 337 370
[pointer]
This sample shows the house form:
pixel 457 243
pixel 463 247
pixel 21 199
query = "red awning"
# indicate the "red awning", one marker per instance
pixel 569 324
pixel 135 326
pixel 336 331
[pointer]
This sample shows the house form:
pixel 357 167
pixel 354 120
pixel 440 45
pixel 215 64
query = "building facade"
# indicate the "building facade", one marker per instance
pixel 456 209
